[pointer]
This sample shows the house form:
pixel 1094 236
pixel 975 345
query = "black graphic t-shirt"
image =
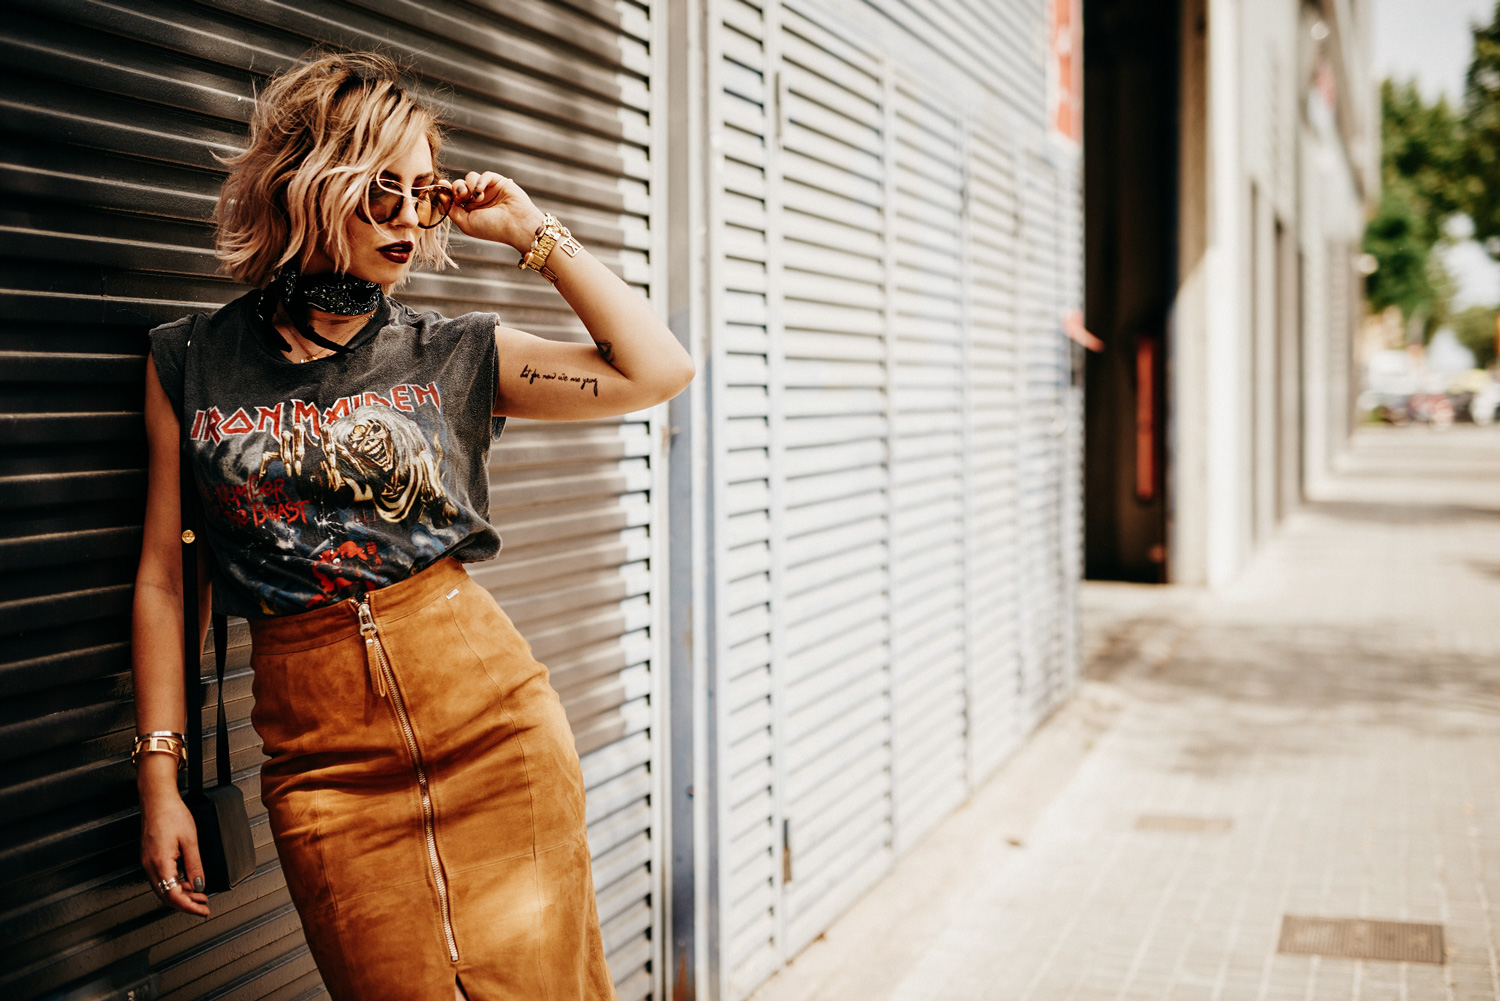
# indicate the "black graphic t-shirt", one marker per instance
pixel 324 480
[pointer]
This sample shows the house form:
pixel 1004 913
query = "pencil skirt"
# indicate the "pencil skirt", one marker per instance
pixel 426 799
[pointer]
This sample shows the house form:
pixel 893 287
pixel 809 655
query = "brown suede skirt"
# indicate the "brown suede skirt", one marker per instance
pixel 426 799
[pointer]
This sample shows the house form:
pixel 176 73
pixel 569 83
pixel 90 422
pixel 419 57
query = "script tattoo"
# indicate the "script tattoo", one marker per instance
pixel 606 351
pixel 531 375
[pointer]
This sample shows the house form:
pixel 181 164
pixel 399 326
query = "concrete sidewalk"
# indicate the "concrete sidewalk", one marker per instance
pixel 1321 739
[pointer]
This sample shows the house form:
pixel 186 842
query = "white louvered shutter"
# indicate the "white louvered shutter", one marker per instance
pixel 835 775
pixel 995 716
pixel 890 452
pixel 928 352
pixel 1045 372
pixel 749 854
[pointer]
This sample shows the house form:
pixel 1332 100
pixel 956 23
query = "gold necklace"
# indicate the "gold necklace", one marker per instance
pixel 307 355
pixel 310 357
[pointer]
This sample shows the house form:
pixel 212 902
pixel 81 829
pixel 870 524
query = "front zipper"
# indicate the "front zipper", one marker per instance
pixel 384 681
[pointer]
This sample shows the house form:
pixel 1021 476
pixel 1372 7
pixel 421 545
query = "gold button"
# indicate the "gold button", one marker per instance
pixel 188 536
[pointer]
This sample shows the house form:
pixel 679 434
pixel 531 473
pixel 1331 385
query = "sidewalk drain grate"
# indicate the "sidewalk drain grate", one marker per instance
pixel 1183 825
pixel 1354 938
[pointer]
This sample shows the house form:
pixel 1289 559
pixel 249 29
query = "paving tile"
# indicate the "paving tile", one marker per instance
pixel 1338 701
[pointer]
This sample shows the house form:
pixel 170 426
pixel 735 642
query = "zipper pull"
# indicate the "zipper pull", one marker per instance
pixel 372 658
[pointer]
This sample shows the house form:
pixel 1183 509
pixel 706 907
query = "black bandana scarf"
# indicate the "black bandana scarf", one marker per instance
pixel 331 292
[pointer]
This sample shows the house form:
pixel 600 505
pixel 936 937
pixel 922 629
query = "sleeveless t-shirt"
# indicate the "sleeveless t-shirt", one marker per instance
pixel 324 480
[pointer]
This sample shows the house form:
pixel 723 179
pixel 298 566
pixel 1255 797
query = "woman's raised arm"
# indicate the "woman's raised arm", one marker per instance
pixel 635 361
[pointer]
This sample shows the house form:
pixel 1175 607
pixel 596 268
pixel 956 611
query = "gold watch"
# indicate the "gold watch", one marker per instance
pixel 549 234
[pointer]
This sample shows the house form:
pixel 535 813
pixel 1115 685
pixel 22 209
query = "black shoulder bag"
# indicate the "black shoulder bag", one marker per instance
pixel 224 842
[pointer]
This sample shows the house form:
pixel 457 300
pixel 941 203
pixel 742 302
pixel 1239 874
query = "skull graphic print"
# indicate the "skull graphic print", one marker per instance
pixel 381 456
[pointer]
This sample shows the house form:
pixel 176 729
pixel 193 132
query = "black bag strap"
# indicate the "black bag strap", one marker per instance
pixel 192 650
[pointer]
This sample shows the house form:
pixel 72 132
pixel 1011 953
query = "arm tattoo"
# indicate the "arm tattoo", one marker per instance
pixel 531 375
pixel 606 351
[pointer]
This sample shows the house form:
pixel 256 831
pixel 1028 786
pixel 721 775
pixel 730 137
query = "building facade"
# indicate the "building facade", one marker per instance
pixel 794 617
pixel 1233 150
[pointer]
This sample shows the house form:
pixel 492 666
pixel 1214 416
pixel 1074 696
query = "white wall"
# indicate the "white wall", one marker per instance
pixel 1230 399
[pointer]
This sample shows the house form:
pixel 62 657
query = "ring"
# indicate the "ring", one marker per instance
pixel 168 884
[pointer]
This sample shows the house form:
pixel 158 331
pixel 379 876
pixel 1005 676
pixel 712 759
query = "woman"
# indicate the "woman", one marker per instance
pixel 421 782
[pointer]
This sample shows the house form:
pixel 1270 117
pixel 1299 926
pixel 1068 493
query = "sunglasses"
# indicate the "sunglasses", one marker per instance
pixel 387 198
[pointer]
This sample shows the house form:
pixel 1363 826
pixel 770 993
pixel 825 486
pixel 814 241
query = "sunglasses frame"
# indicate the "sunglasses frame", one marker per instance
pixel 412 193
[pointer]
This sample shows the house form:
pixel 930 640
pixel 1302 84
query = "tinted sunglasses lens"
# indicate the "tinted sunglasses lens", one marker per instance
pixel 384 205
pixel 433 205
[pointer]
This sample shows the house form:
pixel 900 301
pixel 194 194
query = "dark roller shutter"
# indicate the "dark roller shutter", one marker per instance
pixel 110 118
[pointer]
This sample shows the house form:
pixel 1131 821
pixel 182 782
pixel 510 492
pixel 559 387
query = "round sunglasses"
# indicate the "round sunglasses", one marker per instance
pixel 386 199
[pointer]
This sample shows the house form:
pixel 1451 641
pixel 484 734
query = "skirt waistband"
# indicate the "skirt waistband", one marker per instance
pixel 340 621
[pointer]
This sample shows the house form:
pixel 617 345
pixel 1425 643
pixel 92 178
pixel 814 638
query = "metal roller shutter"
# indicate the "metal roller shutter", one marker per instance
pixel 928 355
pixel 995 719
pixel 111 116
pixel 836 709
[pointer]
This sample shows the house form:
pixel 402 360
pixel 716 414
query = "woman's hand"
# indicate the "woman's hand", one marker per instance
pixel 169 839
pixel 489 206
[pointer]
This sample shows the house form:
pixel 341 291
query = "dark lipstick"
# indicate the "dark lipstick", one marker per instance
pixel 399 252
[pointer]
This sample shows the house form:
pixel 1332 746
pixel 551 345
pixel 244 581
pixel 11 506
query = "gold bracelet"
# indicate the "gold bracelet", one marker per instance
pixel 551 233
pixel 167 741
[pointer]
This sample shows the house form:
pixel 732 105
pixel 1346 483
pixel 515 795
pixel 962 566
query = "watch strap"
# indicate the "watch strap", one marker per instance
pixel 550 235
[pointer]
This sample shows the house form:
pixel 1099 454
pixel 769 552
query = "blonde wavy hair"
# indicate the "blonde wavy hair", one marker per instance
pixel 321 134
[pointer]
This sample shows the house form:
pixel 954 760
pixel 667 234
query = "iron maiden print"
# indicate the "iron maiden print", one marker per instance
pixel 357 487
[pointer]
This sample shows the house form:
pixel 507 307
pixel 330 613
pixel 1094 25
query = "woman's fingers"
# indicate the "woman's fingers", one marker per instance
pixel 188 895
pixel 165 876
pixel 192 864
pixel 463 187
pixel 174 887
pixel 491 186
pixel 188 902
pixel 475 190
pixel 470 192
pixel 491 206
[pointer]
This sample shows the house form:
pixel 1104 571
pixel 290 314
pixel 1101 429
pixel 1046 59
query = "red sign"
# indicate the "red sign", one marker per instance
pixel 1065 69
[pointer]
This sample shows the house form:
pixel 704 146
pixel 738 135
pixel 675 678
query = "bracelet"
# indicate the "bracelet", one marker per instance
pixel 167 741
pixel 551 233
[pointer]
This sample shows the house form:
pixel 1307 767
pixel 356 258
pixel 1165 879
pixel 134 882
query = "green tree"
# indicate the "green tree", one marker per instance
pixel 1475 328
pixel 1396 237
pixel 1480 185
pixel 1422 156
pixel 1422 152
